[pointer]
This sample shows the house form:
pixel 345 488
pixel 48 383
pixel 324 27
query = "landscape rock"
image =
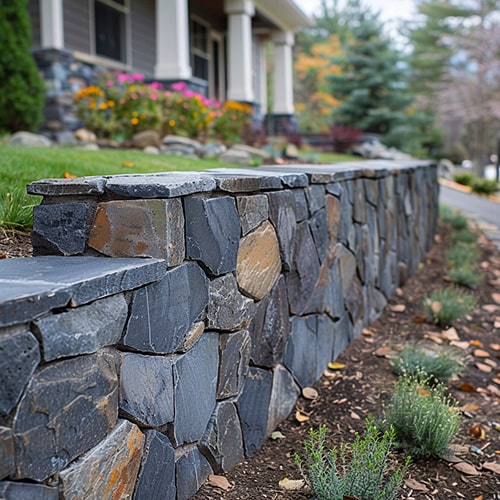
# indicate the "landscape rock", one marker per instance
pixel 84 135
pixel 291 152
pixel 83 330
pixel 259 263
pixel 184 150
pixel 301 208
pixel 10 490
pixel 192 470
pixel 213 232
pixel 232 155
pixel 29 140
pixel 318 224
pixel 315 195
pixel 261 153
pixel 212 150
pixel 147 389
pixel 253 210
pixel 163 313
pixel 48 426
pixel 192 336
pixel 169 140
pixel 110 469
pixel 6 453
pixel 146 138
pixel 151 150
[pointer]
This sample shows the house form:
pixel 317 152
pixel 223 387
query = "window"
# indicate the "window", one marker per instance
pixel 199 50
pixel 110 33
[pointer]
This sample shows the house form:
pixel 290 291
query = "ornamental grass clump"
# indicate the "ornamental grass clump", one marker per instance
pixel 465 236
pixel 445 305
pixel 452 217
pixel 360 470
pixel 427 364
pixel 466 275
pixel 462 254
pixel 16 209
pixel 423 418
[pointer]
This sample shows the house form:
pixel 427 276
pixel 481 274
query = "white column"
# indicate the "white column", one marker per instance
pixel 239 45
pixel 172 40
pixel 283 73
pixel 263 78
pixel 52 24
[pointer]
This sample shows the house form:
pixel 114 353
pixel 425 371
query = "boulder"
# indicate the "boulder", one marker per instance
pixel 29 140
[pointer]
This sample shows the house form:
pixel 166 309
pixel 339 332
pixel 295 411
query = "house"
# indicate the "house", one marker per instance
pixel 218 47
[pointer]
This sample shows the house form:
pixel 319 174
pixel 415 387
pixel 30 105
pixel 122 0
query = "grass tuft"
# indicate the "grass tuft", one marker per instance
pixel 452 217
pixel 466 275
pixel 16 209
pixel 445 305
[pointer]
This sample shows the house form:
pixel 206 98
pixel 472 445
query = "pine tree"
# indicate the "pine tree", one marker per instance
pixel 21 88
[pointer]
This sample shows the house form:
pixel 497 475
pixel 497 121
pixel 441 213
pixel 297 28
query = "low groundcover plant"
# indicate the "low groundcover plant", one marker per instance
pixel 359 470
pixel 445 305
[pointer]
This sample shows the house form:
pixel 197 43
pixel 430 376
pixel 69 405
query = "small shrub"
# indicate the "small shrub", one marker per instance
pixel 464 236
pixel 462 254
pixel 465 178
pixel 423 418
pixel 484 187
pixel 452 217
pixel 426 364
pixel 16 209
pixel 358 470
pixel 466 275
pixel 445 305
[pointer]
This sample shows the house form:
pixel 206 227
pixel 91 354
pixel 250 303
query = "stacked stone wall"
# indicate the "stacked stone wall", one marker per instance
pixel 168 322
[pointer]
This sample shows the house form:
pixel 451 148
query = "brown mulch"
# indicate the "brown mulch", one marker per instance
pixel 348 395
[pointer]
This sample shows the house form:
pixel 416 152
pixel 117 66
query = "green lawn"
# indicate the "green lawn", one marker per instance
pixel 20 166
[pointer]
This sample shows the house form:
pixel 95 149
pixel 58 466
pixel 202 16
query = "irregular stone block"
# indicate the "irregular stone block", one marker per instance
pixel 92 185
pixel 234 352
pixel 334 214
pixel 192 470
pixel 83 330
pixel 227 309
pixel 259 262
pixel 10 490
pixel 347 263
pixel 325 343
pixel 270 327
pixel 19 357
pixel 156 478
pixel 343 334
pixel 359 213
pixel 372 190
pixel 6 452
pixel 195 389
pixel 223 440
pixel 233 181
pixel 253 210
pixel 68 407
pixel 110 469
pixel 163 313
pixel 284 394
pixel 346 219
pixel 334 188
pixel 140 228
pixel 354 300
pixel 302 278
pixel 213 232
pixel 301 209
pixel 282 214
pixel 253 405
pixel 319 230
pixel 60 228
pixel 147 389
pixel 192 336
pixel 315 198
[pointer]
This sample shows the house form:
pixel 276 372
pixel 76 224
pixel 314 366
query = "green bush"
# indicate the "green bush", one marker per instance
pixel 484 187
pixel 426 364
pixel 359 470
pixel 464 236
pixel 21 88
pixel 465 178
pixel 423 418
pixel 445 305
pixel 466 275
pixel 462 254
pixel 452 217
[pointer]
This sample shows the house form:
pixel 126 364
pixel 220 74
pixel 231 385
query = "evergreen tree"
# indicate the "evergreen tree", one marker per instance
pixel 21 88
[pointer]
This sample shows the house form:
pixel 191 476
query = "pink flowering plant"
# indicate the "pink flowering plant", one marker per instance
pixel 122 105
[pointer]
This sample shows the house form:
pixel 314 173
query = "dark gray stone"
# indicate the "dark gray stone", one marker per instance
pixel 325 343
pixel 282 214
pixel 223 440
pixel 213 232
pixel 359 213
pixel 19 357
pixel 92 185
pixel 61 228
pixel 192 470
pixel 83 330
pixel 27 491
pixel 236 182
pixel 288 178
pixel 301 210
pixel 346 218
pixel 195 389
pixel 6 452
pixel 343 334
pixel 315 198
pixel 253 210
pixel 284 394
pixel 162 185
pixel 354 300
pixel 372 191
pixel 31 287
pixel 68 407
pixel 162 314
pixel 319 229
pixel 147 389
pixel 253 407
pixel 335 188
pixel 302 278
pixel 156 479
pixel 227 309
pixel 270 327
pixel 234 352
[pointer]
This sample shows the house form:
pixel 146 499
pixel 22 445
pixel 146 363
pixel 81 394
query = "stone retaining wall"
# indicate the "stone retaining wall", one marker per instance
pixel 226 293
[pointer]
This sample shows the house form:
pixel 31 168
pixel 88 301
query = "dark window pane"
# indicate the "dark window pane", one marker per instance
pixel 109 32
pixel 200 69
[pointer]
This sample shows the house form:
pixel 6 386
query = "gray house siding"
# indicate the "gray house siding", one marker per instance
pixel 34 14
pixel 143 31
pixel 77 25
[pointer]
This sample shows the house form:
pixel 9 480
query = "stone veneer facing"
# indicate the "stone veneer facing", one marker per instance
pixel 180 314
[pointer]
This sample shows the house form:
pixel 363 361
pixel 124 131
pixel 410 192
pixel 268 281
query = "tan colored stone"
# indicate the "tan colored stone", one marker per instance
pixel 259 263
pixel 334 214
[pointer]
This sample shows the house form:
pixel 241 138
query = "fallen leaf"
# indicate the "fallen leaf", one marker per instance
pixel 415 485
pixel 459 449
pixel 484 367
pixel 128 164
pixel 495 347
pixel 450 334
pixel 4 256
pixel 490 308
pixel 277 435
pixel 219 482
pixel 329 374
pixel 466 387
pixel 491 362
pixel 301 417
pixel 435 337
pixel 493 389
pixel 398 308
pixel 467 468
pixel 436 306
pixel 309 393
pixel 366 332
pixel 355 416
pixel 481 353
pixel 67 175
pixel 463 344
pixel 476 343
pixel 496 297
pixel 470 407
pixel 477 431
pixel 496 324
pixel 336 366
pixel 492 466
pixel 340 401
pixel 419 319
pixel 291 484
pixel 480 497
pixel 384 352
